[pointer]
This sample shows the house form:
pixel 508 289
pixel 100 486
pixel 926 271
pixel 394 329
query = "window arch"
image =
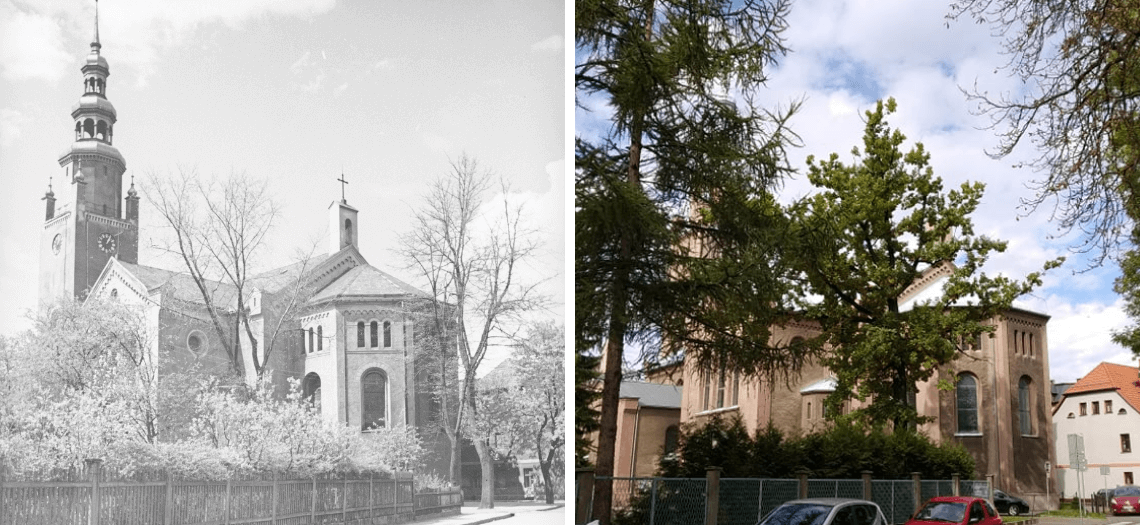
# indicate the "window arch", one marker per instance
pixel 360 334
pixel 387 334
pixel 320 339
pixel 672 433
pixel 373 399
pixel 88 128
pixel 374 329
pixel 101 130
pixel 1024 405
pixel 311 390
pixel 197 343
pixel 967 404
pixel 347 231
pixel 311 334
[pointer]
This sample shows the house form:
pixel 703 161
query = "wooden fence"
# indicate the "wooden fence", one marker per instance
pixel 272 501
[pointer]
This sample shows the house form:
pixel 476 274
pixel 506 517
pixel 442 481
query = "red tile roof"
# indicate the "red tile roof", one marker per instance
pixel 1109 376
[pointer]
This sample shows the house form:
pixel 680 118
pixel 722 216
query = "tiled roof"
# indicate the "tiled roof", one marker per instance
pixel 274 280
pixel 365 281
pixel 652 394
pixel 181 285
pixel 1110 376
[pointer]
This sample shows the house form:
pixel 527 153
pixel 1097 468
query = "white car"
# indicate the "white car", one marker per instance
pixel 826 511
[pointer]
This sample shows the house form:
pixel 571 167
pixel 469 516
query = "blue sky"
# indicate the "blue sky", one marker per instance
pixel 295 91
pixel 848 54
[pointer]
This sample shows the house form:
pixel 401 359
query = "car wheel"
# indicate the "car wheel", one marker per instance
pixel 1013 510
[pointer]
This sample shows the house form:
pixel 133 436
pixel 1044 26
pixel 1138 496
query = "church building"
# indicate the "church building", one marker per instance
pixel 352 343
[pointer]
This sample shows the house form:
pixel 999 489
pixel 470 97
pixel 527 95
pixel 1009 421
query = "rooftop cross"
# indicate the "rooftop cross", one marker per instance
pixel 342 183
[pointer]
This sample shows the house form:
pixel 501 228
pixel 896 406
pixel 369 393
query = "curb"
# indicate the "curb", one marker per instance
pixel 552 507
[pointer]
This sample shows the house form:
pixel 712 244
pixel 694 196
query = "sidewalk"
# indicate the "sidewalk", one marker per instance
pixel 473 515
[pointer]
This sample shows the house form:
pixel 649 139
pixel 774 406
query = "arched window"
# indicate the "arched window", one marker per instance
pixel 374 328
pixel 311 334
pixel 114 293
pixel 347 231
pixel 373 399
pixel 967 403
pixel 101 130
pixel 671 436
pixel 320 339
pixel 78 130
pixel 1024 404
pixel 360 334
pixel 387 334
pixel 88 128
pixel 311 390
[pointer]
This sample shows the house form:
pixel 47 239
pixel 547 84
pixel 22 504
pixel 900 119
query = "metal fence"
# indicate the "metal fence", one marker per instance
pixel 270 501
pixel 745 501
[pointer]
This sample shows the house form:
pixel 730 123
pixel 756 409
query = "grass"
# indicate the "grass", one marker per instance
pixel 1014 519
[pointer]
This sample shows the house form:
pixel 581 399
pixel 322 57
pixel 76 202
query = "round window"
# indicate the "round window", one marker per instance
pixel 196 343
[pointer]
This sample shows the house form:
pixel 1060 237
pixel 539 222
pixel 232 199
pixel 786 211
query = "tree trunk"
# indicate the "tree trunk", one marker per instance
pixel 453 465
pixel 487 471
pixel 548 485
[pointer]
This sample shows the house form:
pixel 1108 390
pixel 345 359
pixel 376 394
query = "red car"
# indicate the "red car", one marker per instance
pixel 956 509
pixel 1125 500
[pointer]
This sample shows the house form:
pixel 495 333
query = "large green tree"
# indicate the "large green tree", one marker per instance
pixel 874 228
pixel 676 233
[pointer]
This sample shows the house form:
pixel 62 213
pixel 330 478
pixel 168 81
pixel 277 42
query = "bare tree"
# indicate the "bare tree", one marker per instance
pixel 471 270
pixel 218 228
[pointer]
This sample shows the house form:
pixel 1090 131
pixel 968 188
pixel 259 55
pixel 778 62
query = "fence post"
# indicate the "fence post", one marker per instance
pixel 990 488
pixel 957 480
pixel 313 502
pixel 371 500
pixel 168 512
pixel 867 485
pixel 228 498
pixel 94 467
pixel 273 499
pixel 344 501
pixel 712 496
pixel 802 474
pixel 652 500
pixel 2 507
pixel 917 478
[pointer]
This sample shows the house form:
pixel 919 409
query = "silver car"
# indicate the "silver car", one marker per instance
pixel 826 511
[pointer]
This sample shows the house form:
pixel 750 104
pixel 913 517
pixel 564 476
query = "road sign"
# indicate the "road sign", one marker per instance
pixel 1104 471
pixel 1077 452
pixel 1048 467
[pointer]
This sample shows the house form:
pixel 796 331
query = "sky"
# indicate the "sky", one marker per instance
pixel 297 92
pixel 846 55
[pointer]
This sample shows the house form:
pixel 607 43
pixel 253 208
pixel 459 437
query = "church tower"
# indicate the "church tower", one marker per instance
pixel 88 226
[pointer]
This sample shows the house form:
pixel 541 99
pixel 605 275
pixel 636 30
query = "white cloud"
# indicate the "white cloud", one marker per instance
pixel 551 44
pixel 11 122
pixel 340 89
pixel 31 46
pixel 299 66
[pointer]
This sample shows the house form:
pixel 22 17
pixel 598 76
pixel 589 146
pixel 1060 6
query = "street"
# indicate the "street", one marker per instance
pixel 534 516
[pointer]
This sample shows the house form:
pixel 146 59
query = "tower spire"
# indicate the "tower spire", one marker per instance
pixel 95 45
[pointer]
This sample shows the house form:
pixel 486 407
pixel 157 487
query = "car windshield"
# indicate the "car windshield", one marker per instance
pixel 798 514
pixel 942 511
pixel 1126 491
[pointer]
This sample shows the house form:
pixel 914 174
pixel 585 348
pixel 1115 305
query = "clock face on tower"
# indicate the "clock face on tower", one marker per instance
pixel 107 243
pixel 57 243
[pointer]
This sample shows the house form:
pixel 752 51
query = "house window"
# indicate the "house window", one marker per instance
pixel 1084 409
pixel 1125 443
pixel 708 385
pixel 967 404
pixel 311 390
pixel 1096 407
pixel 1030 345
pixel 720 388
pixel 311 337
pixel 320 339
pixel 360 334
pixel 1127 478
pixel 735 389
pixel 1108 406
pixel 671 437
pixel 373 402
pixel 809 411
pixel 374 330
pixel 387 334
pixel 1023 407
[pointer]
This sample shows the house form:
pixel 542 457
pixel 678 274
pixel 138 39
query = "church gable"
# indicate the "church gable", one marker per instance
pixel 118 282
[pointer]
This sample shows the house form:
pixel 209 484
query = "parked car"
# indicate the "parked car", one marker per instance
pixel 1009 504
pixel 1125 500
pixel 961 510
pixel 826 511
